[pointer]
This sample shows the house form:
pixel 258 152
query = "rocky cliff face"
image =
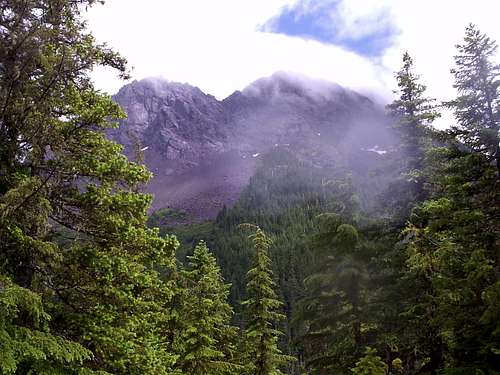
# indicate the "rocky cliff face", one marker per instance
pixel 176 125
pixel 203 151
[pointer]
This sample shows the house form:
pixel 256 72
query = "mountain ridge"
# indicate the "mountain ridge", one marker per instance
pixel 203 151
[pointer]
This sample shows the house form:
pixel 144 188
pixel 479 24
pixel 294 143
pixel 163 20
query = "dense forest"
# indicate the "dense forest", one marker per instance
pixel 306 274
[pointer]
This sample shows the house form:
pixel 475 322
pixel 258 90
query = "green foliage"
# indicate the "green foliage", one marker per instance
pixel 411 106
pixel 453 238
pixel 32 347
pixel 206 342
pixel 86 287
pixel 262 356
pixel 370 364
pixel 477 108
pixel 283 198
pixel 76 258
pixel 412 114
pixel 165 218
pixel 332 315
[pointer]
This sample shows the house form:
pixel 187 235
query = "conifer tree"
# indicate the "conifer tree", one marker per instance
pixel 263 357
pixel 75 255
pixel 206 338
pixel 370 364
pixel 477 107
pixel 400 330
pixel 454 237
pixel 332 314
pixel 412 114
pixel 33 348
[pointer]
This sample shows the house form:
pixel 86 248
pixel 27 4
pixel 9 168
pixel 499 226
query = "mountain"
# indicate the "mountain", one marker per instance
pixel 203 151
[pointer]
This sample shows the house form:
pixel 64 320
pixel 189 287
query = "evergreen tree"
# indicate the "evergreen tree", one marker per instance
pixel 477 108
pixel 76 260
pixel 263 357
pixel 454 237
pixel 332 315
pixel 370 364
pixel 400 332
pixel 33 348
pixel 413 114
pixel 206 338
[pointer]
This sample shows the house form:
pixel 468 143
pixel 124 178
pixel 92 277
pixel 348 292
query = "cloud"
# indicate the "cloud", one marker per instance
pixel 217 45
pixel 221 46
pixel 333 22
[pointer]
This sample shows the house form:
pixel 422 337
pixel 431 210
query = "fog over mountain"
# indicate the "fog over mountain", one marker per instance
pixel 203 151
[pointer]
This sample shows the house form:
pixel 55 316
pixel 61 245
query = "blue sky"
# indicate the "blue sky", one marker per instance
pixel 369 35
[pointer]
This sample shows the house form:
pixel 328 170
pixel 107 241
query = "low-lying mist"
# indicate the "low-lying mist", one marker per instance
pixel 203 151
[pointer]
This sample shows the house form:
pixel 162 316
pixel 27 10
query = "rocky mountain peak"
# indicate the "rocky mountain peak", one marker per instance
pixel 203 151
pixel 160 87
pixel 174 123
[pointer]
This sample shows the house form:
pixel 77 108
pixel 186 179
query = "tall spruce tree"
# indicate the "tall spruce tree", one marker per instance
pixel 401 331
pixel 75 255
pixel 263 357
pixel 332 316
pixel 413 114
pixel 454 237
pixel 477 107
pixel 206 340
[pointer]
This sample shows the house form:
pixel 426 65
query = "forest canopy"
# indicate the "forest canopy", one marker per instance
pixel 300 276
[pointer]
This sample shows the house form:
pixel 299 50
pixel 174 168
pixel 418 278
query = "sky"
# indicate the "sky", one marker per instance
pixel 223 45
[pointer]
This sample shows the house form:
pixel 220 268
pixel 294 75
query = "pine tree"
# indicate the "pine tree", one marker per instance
pixel 33 348
pixel 370 364
pixel 332 314
pixel 477 108
pixel 263 357
pixel 206 338
pixel 454 237
pixel 76 258
pixel 413 114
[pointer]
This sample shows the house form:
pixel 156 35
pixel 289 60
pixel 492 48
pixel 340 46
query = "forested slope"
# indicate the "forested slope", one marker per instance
pixel 328 276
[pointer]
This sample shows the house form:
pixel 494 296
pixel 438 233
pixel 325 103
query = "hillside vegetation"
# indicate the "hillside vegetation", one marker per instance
pixel 315 269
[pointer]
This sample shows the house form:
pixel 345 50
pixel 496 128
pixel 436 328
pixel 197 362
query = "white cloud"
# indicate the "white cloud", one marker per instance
pixel 216 45
pixel 356 19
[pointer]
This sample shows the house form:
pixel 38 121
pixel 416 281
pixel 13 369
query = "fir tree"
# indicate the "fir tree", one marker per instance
pixel 206 338
pixel 33 348
pixel 401 331
pixel 72 226
pixel 370 364
pixel 332 315
pixel 477 108
pixel 454 237
pixel 263 357
pixel 413 114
